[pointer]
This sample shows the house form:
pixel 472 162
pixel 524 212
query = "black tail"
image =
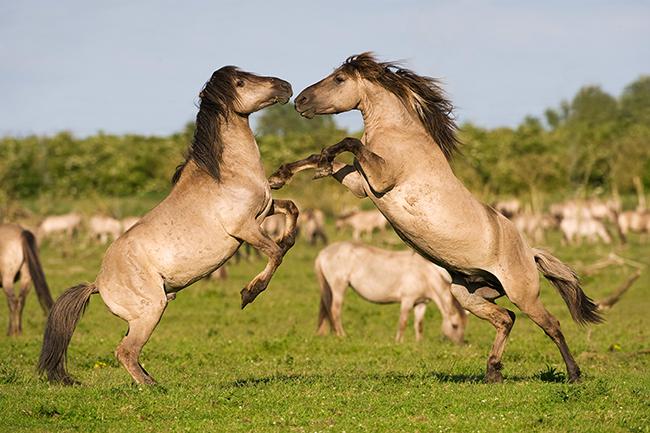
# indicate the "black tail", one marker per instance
pixel 325 310
pixel 61 323
pixel 36 271
pixel 582 308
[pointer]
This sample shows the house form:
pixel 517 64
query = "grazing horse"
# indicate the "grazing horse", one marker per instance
pixel 402 164
pixel 383 277
pixel 219 199
pixel 311 225
pixel 67 223
pixel 575 228
pixel 19 260
pixel 362 222
pixel 103 228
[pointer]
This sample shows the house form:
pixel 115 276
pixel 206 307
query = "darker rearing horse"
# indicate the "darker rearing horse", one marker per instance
pixel 219 199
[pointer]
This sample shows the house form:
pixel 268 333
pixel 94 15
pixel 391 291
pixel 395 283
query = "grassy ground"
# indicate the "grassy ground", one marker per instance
pixel 263 369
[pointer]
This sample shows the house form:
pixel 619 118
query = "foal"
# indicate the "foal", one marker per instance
pixel 219 200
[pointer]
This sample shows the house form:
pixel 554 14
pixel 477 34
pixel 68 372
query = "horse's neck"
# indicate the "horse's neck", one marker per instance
pixel 240 150
pixel 240 159
pixel 389 126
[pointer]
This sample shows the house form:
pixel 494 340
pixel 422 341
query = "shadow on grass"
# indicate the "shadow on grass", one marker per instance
pixel 548 376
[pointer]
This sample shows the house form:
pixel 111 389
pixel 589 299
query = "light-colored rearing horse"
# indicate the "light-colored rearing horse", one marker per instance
pixel 402 164
pixel 19 260
pixel 220 197
pixel 384 277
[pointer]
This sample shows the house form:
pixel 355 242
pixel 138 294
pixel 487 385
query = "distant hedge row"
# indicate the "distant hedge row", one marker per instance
pixel 595 141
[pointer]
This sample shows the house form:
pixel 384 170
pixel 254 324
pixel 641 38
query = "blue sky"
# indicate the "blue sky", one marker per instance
pixel 137 66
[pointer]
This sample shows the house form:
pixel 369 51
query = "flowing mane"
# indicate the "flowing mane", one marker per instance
pixel 422 94
pixel 217 98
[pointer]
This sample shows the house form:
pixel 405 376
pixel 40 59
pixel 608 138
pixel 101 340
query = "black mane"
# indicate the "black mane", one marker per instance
pixel 217 99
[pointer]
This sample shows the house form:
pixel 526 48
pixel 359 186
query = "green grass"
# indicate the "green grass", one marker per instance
pixel 263 369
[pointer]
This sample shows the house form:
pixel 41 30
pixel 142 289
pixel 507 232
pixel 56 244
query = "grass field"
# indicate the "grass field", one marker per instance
pixel 263 369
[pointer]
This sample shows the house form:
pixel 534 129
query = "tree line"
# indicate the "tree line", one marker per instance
pixel 594 142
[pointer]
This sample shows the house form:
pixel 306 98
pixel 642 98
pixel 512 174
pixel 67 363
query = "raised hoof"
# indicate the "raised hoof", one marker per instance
pixel 276 182
pixel 248 296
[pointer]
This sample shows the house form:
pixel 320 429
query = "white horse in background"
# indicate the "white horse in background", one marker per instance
pixel 383 277
pixel 103 228
pixel 54 224
pixel 362 222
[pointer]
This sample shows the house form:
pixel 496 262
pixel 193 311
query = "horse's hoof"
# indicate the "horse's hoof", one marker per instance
pixel 246 297
pixel 150 381
pixel 276 182
pixel 494 377
pixel 575 378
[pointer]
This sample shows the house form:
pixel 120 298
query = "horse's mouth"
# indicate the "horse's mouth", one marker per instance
pixel 309 113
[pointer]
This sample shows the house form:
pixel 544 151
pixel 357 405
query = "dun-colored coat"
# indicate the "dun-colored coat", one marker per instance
pixel 219 200
pixel 19 261
pixel 383 277
pixel 402 164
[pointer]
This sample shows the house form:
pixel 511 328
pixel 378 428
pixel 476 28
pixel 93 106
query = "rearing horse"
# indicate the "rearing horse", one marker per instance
pixel 402 164
pixel 219 199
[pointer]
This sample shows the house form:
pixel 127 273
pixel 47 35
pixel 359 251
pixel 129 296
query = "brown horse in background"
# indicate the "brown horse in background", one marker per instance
pixel 219 200
pixel 19 261
pixel 402 164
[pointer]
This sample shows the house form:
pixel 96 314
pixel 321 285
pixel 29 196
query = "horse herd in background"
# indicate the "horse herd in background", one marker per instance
pixel 465 254
pixel 590 220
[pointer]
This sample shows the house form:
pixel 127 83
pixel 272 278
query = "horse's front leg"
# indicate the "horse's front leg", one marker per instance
pixel 253 234
pixel 368 164
pixel 286 171
pixel 291 213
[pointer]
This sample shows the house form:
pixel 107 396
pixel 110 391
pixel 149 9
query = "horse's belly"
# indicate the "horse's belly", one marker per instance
pixel 377 283
pixel 453 242
pixel 191 264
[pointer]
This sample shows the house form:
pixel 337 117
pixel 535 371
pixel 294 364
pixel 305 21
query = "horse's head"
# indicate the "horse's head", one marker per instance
pixel 453 323
pixel 340 91
pixel 243 92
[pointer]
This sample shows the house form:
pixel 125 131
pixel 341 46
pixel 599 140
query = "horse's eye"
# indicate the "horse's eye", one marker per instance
pixel 339 79
pixel 240 83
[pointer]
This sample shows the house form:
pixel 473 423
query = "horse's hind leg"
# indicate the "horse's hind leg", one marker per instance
pixel 140 329
pixel 501 318
pixel 12 302
pixel 551 326
pixel 25 280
